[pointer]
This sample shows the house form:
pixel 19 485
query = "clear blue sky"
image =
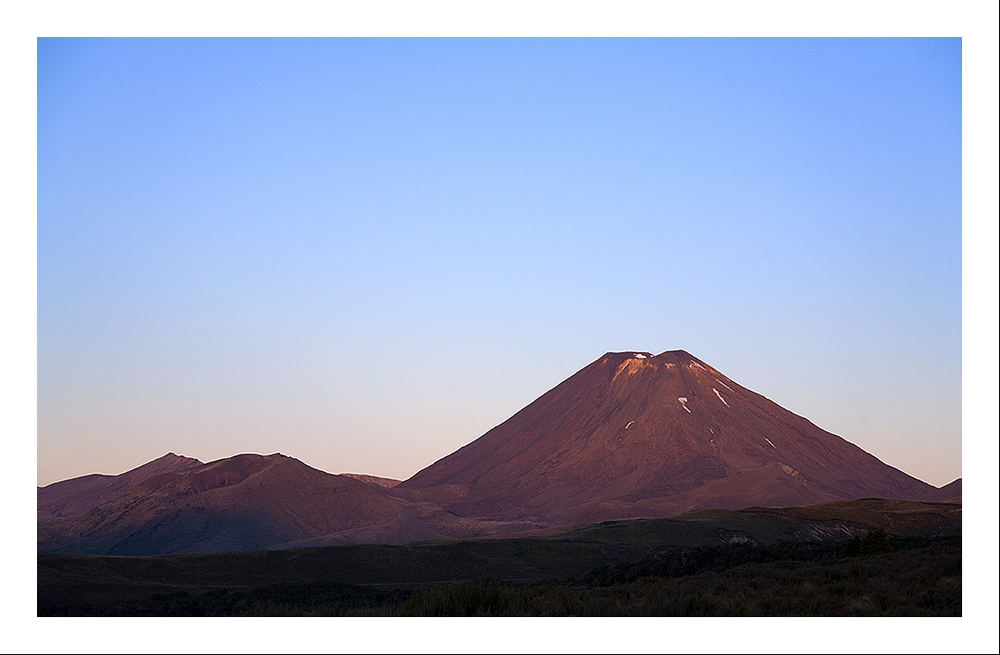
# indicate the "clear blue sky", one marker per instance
pixel 366 253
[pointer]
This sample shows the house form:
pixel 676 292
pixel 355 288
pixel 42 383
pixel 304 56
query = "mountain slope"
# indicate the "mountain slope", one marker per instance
pixel 633 434
pixel 387 483
pixel 247 502
pixel 78 495
pixel 630 435
pixel 951 490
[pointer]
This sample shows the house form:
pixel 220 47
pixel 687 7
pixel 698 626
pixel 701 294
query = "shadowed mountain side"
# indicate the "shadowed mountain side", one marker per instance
pixel 949 491
pixel 388 483
pixel 633 435
pixel 248 502
pixel 78 495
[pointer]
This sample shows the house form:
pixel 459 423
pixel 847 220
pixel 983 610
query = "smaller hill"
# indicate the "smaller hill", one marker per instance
pixel 79 495
pixel 248 502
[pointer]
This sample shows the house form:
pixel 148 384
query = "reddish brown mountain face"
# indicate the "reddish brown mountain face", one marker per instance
pixel 630 435
pixel 249 502
pixel 633 434
pixel 78 495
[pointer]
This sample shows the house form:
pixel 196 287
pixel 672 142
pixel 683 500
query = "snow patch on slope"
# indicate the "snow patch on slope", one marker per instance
pixel 683 401
pixel 720 396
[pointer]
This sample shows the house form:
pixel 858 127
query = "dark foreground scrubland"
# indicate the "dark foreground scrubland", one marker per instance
pixel 860 559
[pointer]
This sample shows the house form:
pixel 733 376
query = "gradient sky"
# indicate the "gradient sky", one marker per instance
pixel 365 253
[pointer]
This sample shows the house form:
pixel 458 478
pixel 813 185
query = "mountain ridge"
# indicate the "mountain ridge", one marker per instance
pixel 633 433
pixel 629 435
pixel 75 495
pixel 250 502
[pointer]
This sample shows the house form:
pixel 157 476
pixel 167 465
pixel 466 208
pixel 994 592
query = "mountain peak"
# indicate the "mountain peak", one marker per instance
pixel 676 355
pixel 630 354
pixel 622 365
pixel 636 434
pixel 672 356
pixel 168 462
pixel 76 495
pixel 172 456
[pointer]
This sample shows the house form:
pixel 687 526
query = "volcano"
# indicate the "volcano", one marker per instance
pixel 630 435
pixel 640 435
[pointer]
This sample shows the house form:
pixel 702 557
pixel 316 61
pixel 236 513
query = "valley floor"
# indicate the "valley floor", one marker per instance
pixel 608 570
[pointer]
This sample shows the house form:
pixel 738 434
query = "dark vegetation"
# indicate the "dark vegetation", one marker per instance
pixel 907 581
pixel 795 562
